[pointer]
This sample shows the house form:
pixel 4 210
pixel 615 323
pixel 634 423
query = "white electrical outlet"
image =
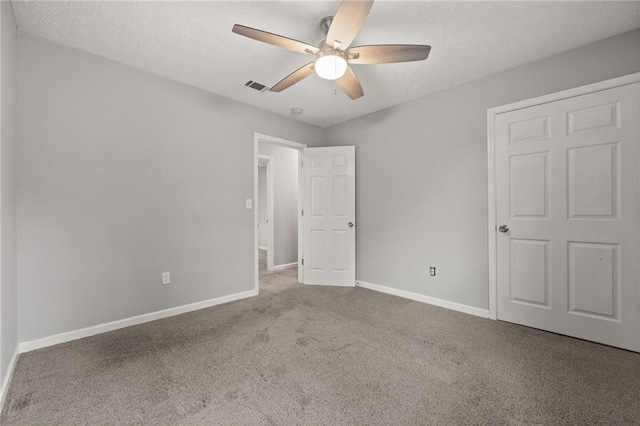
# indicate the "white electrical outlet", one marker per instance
pixel 248 203
pixel 166 278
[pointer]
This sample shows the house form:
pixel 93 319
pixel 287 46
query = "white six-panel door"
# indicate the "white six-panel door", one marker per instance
pixel 328 179
pixel 567 190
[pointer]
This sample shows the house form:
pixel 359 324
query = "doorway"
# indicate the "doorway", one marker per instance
pixel 277 206
pixel 320 181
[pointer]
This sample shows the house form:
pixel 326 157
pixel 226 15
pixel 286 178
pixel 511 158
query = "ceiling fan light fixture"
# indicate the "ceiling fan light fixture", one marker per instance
pixel 330 65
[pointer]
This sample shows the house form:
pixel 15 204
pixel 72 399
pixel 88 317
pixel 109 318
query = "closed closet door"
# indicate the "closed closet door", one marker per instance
pixel 567 211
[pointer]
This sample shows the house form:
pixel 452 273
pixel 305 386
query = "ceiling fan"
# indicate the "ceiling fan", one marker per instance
pixel 334 55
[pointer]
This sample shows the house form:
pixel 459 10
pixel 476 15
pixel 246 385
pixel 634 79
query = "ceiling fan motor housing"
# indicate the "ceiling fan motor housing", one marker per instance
pixel 325 24
pixel 326 49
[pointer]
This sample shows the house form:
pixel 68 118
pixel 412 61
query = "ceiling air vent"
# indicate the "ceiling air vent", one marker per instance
pixel 257 86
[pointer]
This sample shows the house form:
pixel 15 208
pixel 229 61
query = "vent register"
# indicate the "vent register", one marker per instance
pixel 257 86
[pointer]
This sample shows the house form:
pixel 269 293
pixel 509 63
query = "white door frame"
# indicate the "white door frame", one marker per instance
pixel 259 137
pixel 491 115
pixel 269 159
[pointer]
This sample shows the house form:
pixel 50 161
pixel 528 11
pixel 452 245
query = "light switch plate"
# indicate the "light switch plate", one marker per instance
pixel 249 203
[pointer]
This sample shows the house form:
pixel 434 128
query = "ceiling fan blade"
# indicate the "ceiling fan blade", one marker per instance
pixel 388 53
pixel 293 78
pixel 347 22
pixel 350 85
pixel 275 39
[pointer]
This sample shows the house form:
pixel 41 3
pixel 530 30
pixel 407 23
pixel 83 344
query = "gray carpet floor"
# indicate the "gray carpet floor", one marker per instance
pixel 319 355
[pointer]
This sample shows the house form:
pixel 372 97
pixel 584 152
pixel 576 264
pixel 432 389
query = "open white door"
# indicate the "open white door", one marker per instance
pixel 329 207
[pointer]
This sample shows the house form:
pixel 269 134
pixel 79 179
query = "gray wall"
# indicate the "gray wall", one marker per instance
pixel 262 207
pixel 123 175
pixel 422 172
pixel 8 202
pixel 285 202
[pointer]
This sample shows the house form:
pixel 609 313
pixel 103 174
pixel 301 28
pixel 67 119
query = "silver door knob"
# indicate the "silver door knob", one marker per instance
pixel 350 224
pixel 503 228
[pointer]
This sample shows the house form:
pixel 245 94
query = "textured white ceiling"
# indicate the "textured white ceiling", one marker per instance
pixel 192 42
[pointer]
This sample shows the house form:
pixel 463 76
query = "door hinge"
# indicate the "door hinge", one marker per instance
pixel 302 262
pixel 302 212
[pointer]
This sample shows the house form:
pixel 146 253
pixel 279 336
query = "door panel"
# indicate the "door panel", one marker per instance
pixel 528 186
pixel 530 271
pixel 599 116
pixel 317 250
pixel 529 130
pixel 317 196
pixel 594 182
pixel 567 189
pixel 339 195
pixel 329 206
pixel 593 279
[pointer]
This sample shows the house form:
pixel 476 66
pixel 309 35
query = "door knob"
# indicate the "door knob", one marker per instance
pixel 350 224
pixel 503 228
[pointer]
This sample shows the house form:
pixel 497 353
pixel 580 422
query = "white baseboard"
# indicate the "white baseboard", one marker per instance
pixel 128 322
pixel 332 284
pixel 472 310
pixel 285 266
pixel 7 378
pixel 262 248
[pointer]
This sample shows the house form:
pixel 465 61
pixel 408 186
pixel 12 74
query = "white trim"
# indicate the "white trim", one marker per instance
pixel 638 227
pixel 128 322
pixel 454 306
pixel 263 248
pixel 300 216
pixel 353 285
pixel 256 219
pixel 259 137
pixel 285 266
pixel 569 93
pixel 279 141
pixel 493 226
pixel 491 114
pixel 4 390
pixel 270 159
